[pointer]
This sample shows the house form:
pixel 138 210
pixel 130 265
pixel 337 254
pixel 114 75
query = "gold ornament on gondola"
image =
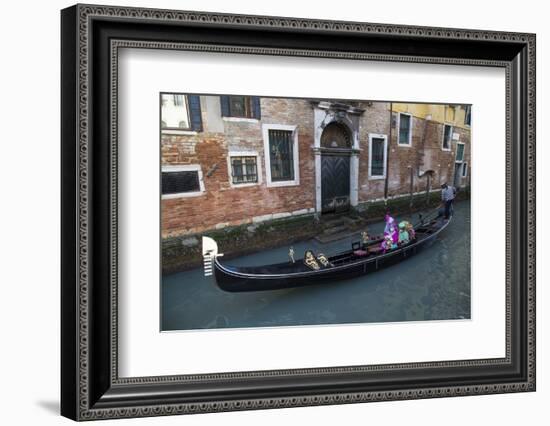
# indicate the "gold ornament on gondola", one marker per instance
pixel 310 261
pixel 365 237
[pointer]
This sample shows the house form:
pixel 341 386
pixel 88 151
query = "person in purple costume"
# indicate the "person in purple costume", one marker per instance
pixel 391 234
pixel 391 228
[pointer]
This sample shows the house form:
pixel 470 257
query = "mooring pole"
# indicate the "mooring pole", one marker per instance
pixel 429 175
pixel 411 189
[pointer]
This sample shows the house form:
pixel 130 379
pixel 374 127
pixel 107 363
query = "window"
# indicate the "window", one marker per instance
pixel 177 182
pixel 468 115
pixel 405 129
pixel 244 169
pixel 459 152
pixel 447 137
pixel 180 112
pixel 451 113
pixel 240 107
pixel 281 154
pixel 181 181
pixel 174 111
pixel 464 169
pixel 377 156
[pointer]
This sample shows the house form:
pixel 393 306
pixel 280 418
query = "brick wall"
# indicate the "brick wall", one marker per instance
pixel 425 153
pixel 223 204
pixel 375 119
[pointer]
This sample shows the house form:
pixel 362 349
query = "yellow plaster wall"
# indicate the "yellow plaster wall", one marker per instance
pixel 448 114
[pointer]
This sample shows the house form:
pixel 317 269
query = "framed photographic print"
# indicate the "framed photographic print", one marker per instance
pixel 264 212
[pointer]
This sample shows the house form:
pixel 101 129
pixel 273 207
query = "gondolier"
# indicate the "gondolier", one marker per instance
pixel 447 196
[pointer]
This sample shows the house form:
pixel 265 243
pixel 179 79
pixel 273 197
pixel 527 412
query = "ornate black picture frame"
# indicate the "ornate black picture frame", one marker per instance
pixel 91 37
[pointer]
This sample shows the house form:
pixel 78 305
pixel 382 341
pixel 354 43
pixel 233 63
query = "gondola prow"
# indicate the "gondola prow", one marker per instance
pixel 209 253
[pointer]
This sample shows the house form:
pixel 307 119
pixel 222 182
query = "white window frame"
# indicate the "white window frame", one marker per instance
pixel 463 152
pixel 184 168
pixel 464 170
pixel 378 136
pixel 177 130
pixel 244 154
pixel 443 137
pixel 399 129
pixel 265 132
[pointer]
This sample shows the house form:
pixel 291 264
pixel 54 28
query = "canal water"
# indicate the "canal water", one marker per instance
pixel 432 285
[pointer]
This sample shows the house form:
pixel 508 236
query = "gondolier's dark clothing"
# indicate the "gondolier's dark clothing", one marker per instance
pixel 448 196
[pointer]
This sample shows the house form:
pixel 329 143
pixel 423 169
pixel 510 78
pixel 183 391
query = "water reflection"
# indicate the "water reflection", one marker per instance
pixel 433 285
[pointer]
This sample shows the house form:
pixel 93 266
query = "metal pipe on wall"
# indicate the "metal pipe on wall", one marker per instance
pixel 388 155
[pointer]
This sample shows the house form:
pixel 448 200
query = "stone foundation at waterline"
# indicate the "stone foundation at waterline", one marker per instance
pixel 184 252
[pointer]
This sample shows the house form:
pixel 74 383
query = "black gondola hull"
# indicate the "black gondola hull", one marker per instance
pixel 236 281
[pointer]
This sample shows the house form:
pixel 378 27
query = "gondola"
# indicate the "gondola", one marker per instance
pixel 361 259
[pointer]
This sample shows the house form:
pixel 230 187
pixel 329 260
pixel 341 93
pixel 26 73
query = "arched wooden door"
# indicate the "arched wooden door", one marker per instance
pixel 335 168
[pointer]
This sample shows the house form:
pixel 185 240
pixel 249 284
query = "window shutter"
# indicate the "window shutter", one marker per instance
pixel 224 102
pixel 195 112
pixel 256 110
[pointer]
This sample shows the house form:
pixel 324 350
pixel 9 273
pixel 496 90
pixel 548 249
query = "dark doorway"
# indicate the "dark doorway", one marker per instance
pixel 335 168
pixel 457 175
pixel 335 188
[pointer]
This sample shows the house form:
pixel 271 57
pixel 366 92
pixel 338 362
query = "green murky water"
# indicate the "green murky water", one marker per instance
pixel 432 285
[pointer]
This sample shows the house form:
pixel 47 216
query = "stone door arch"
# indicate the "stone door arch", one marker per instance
pixel 336 151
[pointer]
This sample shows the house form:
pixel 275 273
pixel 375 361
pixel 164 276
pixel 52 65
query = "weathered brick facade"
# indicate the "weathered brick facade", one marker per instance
pixel 223 204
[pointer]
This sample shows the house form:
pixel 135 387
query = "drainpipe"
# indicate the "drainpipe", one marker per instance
pixel 388 156
pixel 428 175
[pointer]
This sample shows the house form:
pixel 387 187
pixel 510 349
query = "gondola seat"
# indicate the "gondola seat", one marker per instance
pixel 375 250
